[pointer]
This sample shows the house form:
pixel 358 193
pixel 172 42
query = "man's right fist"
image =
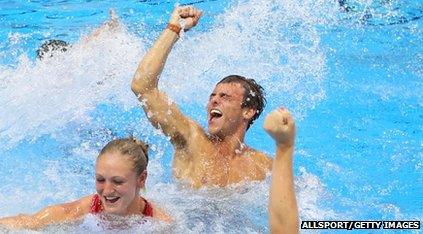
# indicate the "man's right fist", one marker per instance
pixel 189 14
pixel 280 125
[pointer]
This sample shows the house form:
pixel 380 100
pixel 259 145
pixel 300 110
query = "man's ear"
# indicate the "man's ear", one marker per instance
pixel 141 179
pixel 248 113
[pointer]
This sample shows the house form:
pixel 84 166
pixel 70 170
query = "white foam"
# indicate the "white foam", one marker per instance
pixel 40 97
pixel 311 193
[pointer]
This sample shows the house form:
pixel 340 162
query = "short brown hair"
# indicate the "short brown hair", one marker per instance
pixel 48 47
pixel 130 146
pixel 254 96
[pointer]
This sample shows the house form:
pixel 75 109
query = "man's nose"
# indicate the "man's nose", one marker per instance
pixel 214 100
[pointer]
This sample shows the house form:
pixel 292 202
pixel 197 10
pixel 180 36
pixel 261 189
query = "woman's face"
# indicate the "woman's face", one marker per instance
pixel 117 184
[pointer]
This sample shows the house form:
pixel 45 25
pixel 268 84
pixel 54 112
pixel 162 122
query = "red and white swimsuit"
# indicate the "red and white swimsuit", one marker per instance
pixel 97 208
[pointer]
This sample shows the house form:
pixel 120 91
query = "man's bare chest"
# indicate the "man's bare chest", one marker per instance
pixel 216 169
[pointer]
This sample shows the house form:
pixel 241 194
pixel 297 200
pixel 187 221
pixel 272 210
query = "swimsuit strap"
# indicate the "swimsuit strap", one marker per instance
pixel 96 206
pixel 148 209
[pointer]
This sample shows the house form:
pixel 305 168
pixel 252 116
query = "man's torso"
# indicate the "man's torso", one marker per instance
pixel 203 163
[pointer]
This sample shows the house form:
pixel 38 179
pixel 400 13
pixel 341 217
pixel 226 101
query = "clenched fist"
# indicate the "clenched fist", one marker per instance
pixel 189 14
pixel 280 125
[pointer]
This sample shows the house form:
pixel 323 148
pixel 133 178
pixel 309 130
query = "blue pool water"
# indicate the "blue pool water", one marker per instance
pixel 351 72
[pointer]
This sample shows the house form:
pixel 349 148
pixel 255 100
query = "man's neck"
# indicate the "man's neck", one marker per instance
pixel 229 145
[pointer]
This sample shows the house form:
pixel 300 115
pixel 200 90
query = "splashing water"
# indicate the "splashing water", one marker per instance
pixel 56 114
pixel 41 97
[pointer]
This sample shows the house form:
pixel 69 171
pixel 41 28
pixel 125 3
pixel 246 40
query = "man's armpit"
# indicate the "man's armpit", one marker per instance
pixel 178 140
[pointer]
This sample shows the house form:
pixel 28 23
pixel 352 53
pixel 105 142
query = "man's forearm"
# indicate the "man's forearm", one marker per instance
pixel 151 66
pixel 283 205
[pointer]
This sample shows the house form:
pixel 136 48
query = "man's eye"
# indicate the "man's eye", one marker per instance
pixel 100 180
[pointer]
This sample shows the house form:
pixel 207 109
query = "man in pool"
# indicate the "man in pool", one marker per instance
pixel 221 157
pixel 51 47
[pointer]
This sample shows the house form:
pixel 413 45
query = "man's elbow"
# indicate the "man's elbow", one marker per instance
pixel 143 82
pixel 136 87
pixel 287 227
pixel 139 86
pixel 283 223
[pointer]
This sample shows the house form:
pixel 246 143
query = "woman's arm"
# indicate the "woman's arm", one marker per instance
pixel 49 215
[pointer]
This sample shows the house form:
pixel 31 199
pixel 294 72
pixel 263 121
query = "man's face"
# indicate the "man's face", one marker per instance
pixel 224 109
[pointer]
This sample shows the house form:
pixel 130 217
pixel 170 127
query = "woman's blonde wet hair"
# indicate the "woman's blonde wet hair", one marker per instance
pixel 136 150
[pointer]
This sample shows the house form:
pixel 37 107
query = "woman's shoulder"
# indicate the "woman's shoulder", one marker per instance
pixel 160 214
pixel 78 207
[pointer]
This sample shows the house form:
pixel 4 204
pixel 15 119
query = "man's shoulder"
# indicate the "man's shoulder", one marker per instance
pixel 260 156
pixel 256 153
pixel 259 159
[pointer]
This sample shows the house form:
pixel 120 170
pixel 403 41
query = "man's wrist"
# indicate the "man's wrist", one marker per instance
pixel 285 145
pixel 174 28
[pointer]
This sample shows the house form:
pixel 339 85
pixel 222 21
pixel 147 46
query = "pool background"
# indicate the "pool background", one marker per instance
pixel 351 74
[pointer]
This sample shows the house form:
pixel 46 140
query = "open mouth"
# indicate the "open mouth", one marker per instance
pixel 215 114
pixel 111 199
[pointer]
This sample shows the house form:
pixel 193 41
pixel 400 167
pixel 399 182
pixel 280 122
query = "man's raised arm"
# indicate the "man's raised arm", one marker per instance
pixel 160 111
pixel 283 210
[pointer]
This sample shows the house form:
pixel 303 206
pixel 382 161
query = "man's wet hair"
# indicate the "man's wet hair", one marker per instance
pixel 254 95
pixel 49 47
